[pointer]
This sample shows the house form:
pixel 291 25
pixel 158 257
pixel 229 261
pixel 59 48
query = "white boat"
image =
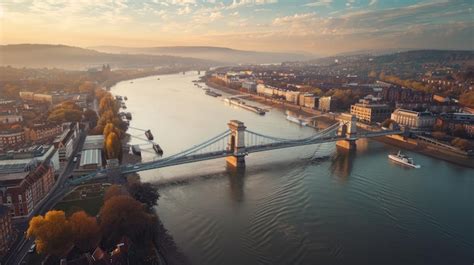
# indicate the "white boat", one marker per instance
pixel 403 159
pixel 296 120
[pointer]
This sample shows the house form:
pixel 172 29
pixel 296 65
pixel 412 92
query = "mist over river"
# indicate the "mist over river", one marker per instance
pixel 304 205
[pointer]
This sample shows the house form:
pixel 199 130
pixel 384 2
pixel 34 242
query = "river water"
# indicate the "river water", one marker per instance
pixel 305 205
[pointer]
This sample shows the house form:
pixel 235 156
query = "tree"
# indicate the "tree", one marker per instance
pixel 113 146
pixel 85 230
pixel 107 103
pixel 462 144
pixel 110 127
pixel 52 233
pixel 145 193
pixel 114 190
pixel 91 117
pixel 124 216
pixel 438 135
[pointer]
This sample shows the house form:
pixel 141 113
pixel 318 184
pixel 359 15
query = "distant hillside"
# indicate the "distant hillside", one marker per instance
pixel 67 57
pixel 426 56
pixel 224 55
pixel 404 57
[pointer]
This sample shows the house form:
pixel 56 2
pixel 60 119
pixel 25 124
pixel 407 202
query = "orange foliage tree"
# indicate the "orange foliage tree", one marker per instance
pixel 85 230
pixel 124 216
pixel 52 233
pixel 113 146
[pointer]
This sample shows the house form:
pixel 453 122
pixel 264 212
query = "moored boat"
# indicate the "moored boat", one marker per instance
pixel 149 135
pixel 403 159
pixel 136 150
pixel 158 149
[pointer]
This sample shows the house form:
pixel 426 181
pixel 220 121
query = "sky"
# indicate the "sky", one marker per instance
pixel 320 27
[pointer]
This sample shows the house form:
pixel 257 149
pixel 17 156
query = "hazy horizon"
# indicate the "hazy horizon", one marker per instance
pixel 323 27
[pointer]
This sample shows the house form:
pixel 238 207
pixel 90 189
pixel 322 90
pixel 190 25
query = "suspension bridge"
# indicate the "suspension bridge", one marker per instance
pixel 237 142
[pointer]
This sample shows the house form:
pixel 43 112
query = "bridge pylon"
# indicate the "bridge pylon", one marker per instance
pixel 236 144
pixel 347 129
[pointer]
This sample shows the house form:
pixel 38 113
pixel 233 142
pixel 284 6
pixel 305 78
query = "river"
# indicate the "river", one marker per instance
pixel 305 205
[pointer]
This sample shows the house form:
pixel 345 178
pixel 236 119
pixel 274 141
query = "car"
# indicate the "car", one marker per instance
pixel 74 159
pixel 32 248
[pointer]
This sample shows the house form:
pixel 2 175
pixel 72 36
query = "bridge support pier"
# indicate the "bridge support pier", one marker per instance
pixel 236 144
pixel 347 144
pixel 348 129
pixel 236 161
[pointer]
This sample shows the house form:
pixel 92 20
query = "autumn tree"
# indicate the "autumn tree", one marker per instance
pixel 114 190
pixel 109 128
pixel 91 117
pixel 113 147
pixel 85 230
pixel 144 193
pixel 124 216
pixel 52 233
pixel 107 103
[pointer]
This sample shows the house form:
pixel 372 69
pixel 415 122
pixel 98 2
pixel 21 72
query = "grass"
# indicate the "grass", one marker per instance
pixel 89 205
pixel 88 198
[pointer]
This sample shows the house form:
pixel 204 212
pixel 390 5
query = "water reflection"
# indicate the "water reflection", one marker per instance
pixel 342 163
pixel 236 178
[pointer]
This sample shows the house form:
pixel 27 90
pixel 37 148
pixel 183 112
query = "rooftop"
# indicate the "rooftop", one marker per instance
pixel 93 142
pixel 91 157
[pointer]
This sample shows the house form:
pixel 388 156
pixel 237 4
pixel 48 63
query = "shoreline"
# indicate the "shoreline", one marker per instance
pixel 421 148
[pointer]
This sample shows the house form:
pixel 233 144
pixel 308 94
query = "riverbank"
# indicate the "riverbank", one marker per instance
pixel 327 120
pixel 324 120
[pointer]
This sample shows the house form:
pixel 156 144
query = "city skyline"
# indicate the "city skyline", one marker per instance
pixel 321 27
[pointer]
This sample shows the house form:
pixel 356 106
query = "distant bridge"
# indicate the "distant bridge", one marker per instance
pixel 237 142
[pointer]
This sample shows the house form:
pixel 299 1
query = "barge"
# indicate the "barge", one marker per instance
pixel 212 93
pixel 242 104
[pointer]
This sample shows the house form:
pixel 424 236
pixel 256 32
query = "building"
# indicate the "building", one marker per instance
pixel 23 190
pixel 31 96
pixel 325 104
pixel 8 117
pixel 453 122
pixel 367 112
pixel 42 132
pixel 249 86
pixel 413 119
pixel 91 157
pixel 66 142
pixel 12 138
pixel 6 230
pixel 292 96
pixel 308 100
pixel 93 142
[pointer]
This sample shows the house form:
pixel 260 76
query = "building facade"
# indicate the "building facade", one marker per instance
pixel 369 113
pixel 413 119
pixel 6 230
pixel 325 104
pixel 22 191
pixel 12 138
pixel 451 122
pixel 42 132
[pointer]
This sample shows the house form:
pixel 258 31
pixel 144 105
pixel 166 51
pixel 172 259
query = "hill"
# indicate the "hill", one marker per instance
pixel 68 57
pixel 224 55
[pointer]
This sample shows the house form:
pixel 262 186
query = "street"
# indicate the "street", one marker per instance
pixel 20 248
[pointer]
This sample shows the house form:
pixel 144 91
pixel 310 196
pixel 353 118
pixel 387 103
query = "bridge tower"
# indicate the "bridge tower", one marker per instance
pixel 236 144
pixel 348 129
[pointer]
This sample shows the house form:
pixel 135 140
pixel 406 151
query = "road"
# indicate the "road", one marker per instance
pixel 20 249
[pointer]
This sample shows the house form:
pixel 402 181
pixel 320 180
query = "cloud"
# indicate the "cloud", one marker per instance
pixel 373 2
pixel 319 3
